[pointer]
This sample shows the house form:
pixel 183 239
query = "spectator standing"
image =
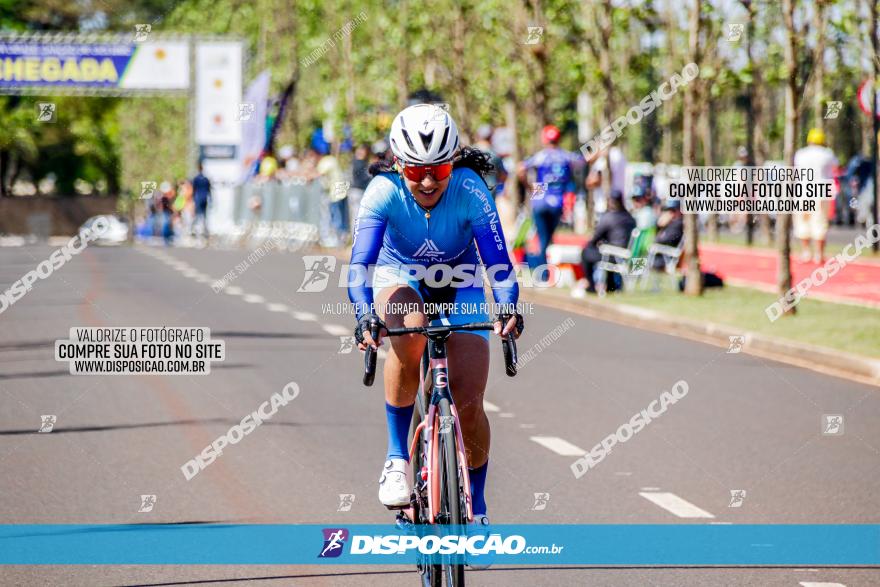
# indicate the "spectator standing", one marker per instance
pixel 813 226
pixel 268 166
pixel 737 222
pixel 336 190
pixel 360 175
pixel 618 176
pixel 201 195
pixel 166 209
pixel 554 169
pixel 494 180
pixel 183 207
pixel 857 176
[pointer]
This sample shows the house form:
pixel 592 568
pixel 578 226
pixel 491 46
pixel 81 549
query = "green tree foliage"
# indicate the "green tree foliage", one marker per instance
pixel 472 53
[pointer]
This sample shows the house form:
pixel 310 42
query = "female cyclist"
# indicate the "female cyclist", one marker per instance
pixel 427 208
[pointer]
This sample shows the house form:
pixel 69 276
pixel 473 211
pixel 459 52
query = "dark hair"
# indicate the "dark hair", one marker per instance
pixel 468 158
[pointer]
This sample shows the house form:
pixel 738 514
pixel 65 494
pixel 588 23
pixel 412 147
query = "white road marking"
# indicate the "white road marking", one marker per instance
pixel 234 290
pixel 527 426
pixel 277 307
pixel 336 329
pixel 490 407
pixel 650 489
pixel 820 584
pixel 254 299
pixel 307 316
pixel 676 505
pixel 623 473
pixel 506 415
pixel 382 354
pixel 559 446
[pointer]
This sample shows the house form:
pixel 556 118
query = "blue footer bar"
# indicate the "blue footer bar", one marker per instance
pixel 518 544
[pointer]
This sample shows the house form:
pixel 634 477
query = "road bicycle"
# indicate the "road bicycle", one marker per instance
pixel 441 488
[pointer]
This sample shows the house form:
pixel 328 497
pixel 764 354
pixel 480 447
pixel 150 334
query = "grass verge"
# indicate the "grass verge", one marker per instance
pixel 847 328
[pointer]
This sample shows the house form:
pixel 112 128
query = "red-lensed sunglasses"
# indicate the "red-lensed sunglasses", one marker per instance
pixel 418 172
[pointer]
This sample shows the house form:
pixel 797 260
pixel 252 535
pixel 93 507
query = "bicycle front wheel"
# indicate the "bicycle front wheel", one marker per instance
pixel 431 574
pixel 451 509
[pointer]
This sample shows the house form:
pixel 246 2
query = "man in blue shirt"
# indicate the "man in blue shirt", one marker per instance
pixel 201 198
pixel 554 173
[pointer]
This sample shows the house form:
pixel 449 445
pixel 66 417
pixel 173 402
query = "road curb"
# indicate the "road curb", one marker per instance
pixel 816 358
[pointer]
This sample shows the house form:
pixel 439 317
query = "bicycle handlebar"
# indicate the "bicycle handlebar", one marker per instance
pixel 370 357
pixel 508 344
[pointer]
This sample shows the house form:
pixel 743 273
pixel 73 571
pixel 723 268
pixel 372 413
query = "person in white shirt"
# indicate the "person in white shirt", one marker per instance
pixel 813 226
pixel 618 176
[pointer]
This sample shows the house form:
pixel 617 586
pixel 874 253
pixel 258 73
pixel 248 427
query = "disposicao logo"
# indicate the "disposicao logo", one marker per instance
pixel 334 540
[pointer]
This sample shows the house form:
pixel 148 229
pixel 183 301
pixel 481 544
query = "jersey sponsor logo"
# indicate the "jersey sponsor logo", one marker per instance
pixel 429 249
pixel 472 187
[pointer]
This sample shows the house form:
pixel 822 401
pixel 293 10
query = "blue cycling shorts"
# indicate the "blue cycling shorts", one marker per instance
pixel 446 305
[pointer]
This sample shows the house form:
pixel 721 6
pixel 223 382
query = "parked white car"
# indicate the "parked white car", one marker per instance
pixel 117 231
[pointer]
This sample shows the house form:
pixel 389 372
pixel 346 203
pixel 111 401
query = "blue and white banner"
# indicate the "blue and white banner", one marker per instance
pixel 522 544
pixel 41 64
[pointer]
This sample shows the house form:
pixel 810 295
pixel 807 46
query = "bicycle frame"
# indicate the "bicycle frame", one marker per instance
pixel 435 388
pixel 432 426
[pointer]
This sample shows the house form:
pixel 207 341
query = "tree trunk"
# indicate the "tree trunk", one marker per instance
pixel 4 164
pixel 819 25
pixel 402 58
pixel 693 276
pixel 606 20
pixel 750 111
pixel 783 221
pixel 458 73
pixel 873 8
pixel 668 107
pixel 511 186
pixel 707 131
pixel 351 80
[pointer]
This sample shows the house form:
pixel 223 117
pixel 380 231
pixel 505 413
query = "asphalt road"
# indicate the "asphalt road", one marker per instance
pixel 747 423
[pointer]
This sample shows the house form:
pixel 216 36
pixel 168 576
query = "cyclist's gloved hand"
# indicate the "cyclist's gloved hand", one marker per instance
pixel 512 322
pixel 362 331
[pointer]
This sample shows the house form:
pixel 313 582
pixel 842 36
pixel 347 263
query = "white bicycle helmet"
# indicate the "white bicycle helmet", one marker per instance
pixel 424 134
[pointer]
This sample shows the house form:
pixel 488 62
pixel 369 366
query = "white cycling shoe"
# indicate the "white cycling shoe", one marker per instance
pixel 394 488
pixel 479 526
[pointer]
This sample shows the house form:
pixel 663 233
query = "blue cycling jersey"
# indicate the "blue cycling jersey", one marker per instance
pixel 393 230
pixel 555 168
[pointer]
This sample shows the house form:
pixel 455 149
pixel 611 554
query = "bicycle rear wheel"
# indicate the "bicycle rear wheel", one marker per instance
pixel 451 509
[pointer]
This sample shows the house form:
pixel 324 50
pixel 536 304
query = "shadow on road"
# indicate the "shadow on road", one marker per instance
pixel 225 421
pixel 240 334
pixel 496 570
pixel 24 346
pixel 273 578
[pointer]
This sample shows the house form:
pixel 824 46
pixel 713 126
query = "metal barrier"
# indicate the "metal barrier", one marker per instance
pixel 291 213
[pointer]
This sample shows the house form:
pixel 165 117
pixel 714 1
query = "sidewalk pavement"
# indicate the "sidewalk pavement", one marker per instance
pixel 858 283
